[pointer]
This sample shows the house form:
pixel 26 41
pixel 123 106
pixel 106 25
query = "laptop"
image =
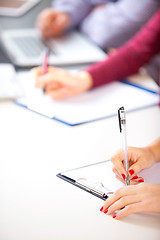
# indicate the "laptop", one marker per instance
pixel 25 47
pixel 16 8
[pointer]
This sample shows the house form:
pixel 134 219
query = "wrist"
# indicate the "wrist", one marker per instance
pixel 155 150
pixel 85 80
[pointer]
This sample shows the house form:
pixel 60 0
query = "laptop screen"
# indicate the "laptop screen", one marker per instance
pixel 16 7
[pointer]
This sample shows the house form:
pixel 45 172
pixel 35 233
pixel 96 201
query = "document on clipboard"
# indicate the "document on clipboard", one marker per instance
pixel 93 105
pixel 99 179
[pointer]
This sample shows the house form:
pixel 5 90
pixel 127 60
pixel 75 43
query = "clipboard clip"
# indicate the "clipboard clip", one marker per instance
pixel 95 188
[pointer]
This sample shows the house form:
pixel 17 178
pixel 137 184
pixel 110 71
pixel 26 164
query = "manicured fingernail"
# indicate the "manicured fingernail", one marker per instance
pixel 106 210
pixel 114 216
pixel 141 180
pixel 123 176
pixel 135 177
pixel 101 209
pixel 131 171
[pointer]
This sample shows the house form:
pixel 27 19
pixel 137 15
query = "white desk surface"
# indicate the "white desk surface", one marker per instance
pixel 36 205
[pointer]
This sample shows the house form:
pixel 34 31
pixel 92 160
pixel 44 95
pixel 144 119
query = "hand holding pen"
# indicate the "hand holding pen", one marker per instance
pixel 61 84
pixel 125 166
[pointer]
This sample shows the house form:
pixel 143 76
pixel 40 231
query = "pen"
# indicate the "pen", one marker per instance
pixel 45 62
pixel 122 126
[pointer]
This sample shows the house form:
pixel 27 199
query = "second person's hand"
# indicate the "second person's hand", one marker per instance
pixel 60 83
pixel 52 23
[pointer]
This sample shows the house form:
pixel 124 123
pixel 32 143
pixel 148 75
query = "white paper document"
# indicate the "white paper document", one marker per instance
pixel 95 104
pixel 100 176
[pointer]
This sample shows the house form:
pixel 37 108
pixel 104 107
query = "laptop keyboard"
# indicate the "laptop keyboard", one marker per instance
pixel 30 46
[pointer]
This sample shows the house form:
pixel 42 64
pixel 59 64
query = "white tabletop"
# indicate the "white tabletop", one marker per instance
pixel 35 204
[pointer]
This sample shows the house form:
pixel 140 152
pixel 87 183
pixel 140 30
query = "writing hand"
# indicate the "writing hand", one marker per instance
pixel 139 159
pixel 60 83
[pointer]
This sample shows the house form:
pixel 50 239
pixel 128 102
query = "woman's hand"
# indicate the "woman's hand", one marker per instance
pixel 52 23
pixel 139 159
pixel 144 197
pixel 60 83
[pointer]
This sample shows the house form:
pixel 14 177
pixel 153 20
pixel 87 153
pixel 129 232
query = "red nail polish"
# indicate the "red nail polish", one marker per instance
pixel 114 216
pixel 101 209
pixel 141 180
pixel 123 176
pixel 135 177
pixel 106 210
pixel 131 172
